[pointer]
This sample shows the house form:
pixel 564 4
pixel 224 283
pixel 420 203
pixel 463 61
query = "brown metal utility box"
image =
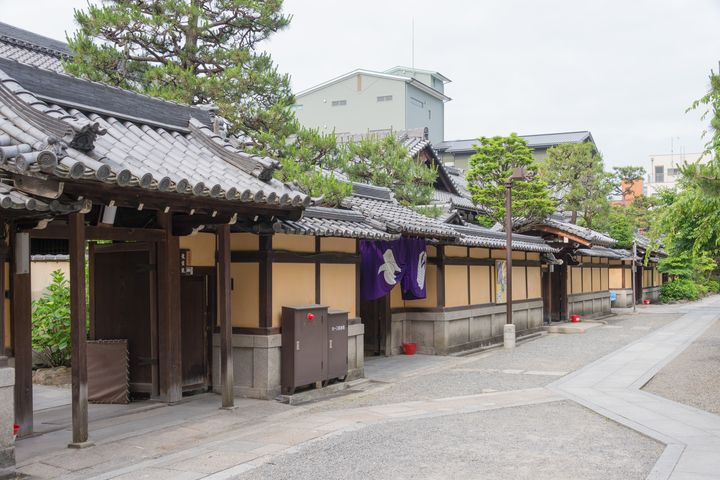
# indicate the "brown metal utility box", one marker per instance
pixel 337 343
pixel 304 351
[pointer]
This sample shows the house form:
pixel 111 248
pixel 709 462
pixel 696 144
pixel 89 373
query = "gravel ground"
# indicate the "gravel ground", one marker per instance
pixel 555 353
pixel 693 377
pixel 558 440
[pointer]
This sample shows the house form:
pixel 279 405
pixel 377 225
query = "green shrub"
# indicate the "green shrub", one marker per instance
pixel 51 322
pixel 680 289
pixel 713 285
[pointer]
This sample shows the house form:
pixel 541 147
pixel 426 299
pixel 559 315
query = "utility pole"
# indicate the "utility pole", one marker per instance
pixel 634 276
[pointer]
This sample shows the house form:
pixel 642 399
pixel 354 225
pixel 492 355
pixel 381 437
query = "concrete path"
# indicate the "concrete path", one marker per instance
pixel 611 387
pixel 224 452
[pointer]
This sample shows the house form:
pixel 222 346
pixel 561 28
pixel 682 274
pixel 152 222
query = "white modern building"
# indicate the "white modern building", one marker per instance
pixel 364 101
pixel 664 169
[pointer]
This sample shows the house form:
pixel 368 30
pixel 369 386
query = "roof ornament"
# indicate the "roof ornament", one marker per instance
pixel 80 135
pixel 84 139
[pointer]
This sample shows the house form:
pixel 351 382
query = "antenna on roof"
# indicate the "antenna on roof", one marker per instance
pixel 413 43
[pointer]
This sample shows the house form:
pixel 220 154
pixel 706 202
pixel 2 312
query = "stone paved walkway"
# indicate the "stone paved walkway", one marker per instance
pixel 611 387
pixel 176 455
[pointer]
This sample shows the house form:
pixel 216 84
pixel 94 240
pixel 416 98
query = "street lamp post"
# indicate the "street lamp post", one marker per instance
pixel 509 329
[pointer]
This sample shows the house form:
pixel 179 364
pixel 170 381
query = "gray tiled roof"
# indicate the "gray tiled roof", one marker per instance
pixel 543 140
pixel 378 204
pixel 334 222
pixel 477 236
pixel 131 154
pixel 591 236
pixel 456 201
pixel 31 48
pixel 50 258
pixel 13 199
pixel 605 252
pixel 73 92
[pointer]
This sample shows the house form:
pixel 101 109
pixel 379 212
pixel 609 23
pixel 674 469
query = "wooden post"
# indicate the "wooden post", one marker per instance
pixel 168 292
pixel 22 331
pixel 265 292
pixel 226 349
pixel 78 331
pixel 3 333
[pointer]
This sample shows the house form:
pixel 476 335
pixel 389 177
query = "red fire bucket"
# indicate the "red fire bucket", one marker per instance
pixel 575 318
pixel 646 302
pixel 409 348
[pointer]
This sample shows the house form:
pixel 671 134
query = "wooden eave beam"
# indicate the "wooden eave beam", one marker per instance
pixel 153 200
pixel 60 232
pixel 562 233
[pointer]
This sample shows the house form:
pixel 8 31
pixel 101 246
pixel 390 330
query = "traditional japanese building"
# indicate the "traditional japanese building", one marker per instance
pixel 579 283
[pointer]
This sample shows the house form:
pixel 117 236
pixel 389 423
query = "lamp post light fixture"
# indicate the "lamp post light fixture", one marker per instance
pixel 519 175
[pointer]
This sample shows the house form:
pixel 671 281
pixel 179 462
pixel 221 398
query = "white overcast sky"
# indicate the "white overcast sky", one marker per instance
pixel 624 69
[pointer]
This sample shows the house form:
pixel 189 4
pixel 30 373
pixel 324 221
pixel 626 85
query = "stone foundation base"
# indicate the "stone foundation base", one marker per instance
pixel 7 417
pixel 450 330
pixel 257 362
pixel 593 304
pixel 624 298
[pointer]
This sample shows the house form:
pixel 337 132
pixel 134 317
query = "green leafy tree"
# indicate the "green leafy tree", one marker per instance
pixel 190 51
pixel 385 162
pixel 576 175
pixel 490 167
pixel 308 158
pixel 618 224
pixel 51 322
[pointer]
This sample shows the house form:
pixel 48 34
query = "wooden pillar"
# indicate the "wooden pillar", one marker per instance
pixel 168 300
pixel 265 266
pixel 3 332
pixel 78 330
pixel 22 331
pixel 226 349
pixel 440 276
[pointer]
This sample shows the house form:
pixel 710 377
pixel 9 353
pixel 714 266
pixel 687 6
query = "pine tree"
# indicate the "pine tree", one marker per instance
pixel 190 51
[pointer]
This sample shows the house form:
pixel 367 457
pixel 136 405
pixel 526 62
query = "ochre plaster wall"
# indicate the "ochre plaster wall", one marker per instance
pixel 534 282
pixel 480 253
pixel 337 287
pixel 41 276
pixel 292 284
pixel 456 285
pixel 596 280
pixel 455 251
pixel 575 279
pixel 246 242
pixel 245 295
pixel 293 243
pixel 202 249
pixel 332 244
pixel 615 277
pixel 480 285
pixel 586 280
pixel 518 283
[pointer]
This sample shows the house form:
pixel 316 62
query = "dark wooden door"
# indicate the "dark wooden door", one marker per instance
pixel 558 293
pixel 194 332
pixel 546 278
pixel 638 284
pixel 122 305
pixel 376 316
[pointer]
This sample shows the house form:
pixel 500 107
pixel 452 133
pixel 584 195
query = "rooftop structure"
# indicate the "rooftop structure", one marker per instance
pixel 363 101
pixel 457 152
